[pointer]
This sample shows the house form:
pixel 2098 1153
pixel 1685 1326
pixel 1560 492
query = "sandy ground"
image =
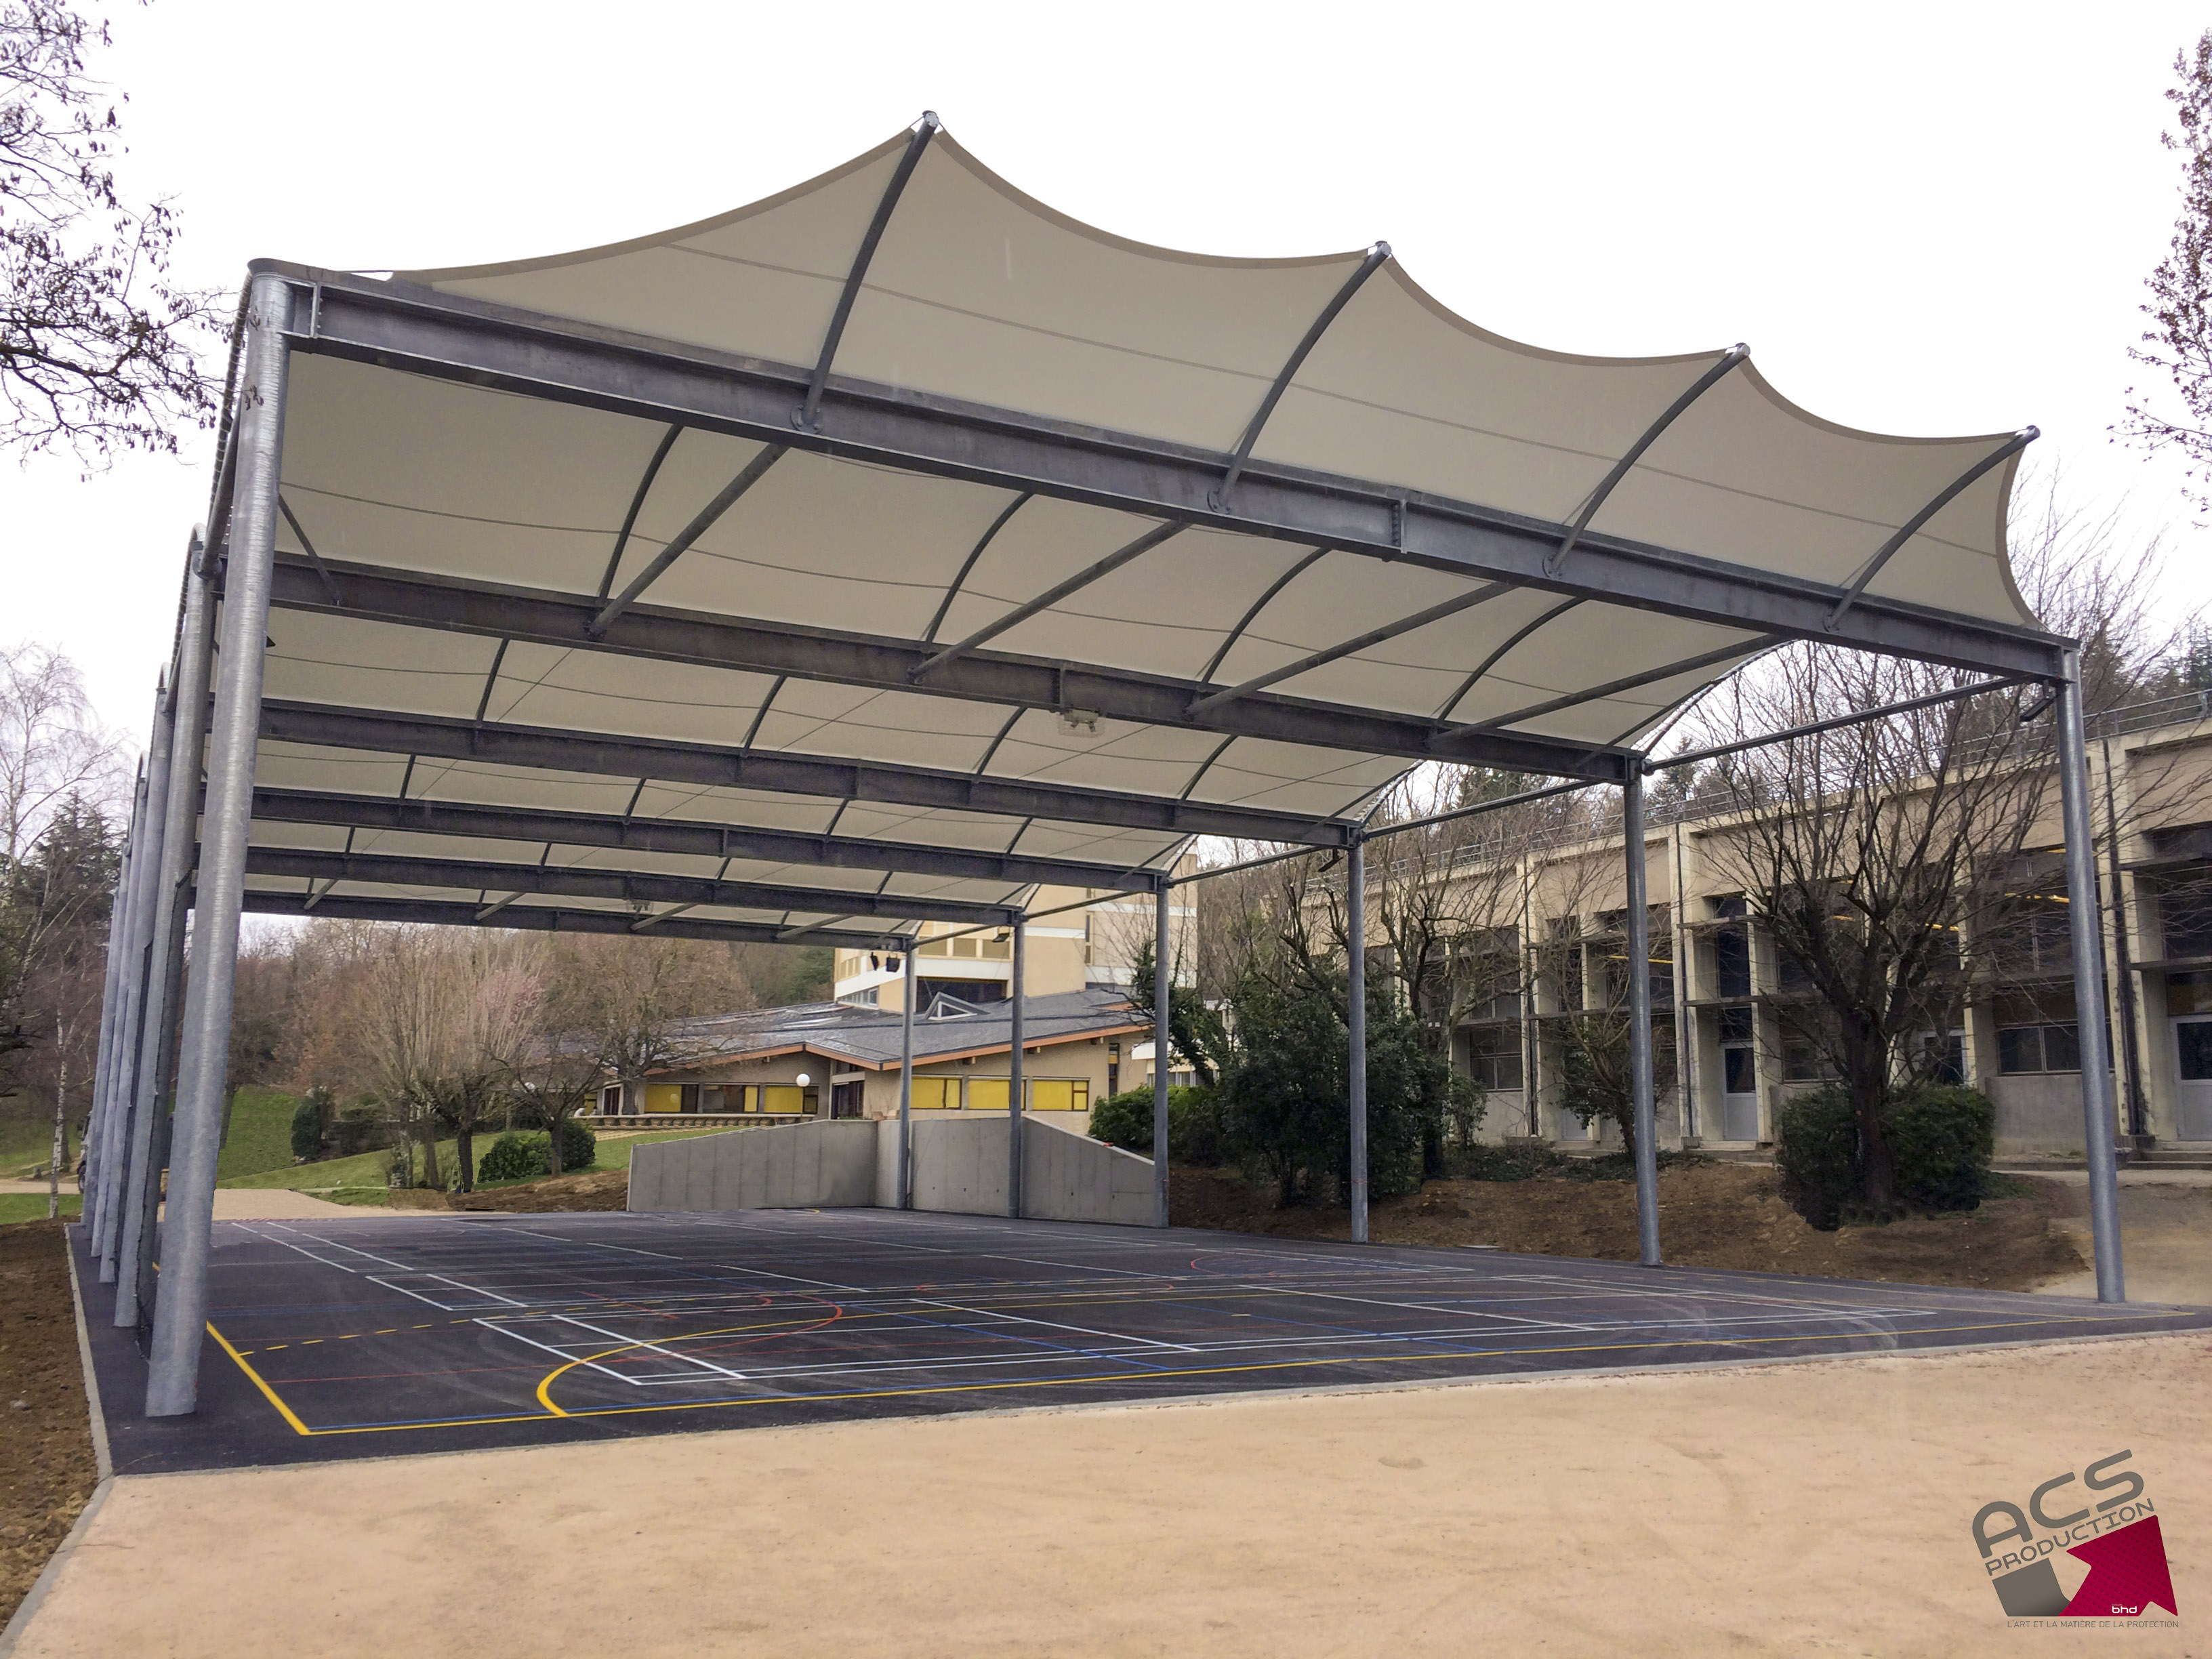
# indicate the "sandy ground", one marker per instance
pixel 236 1203
pixel 2166 1235
pixel 1809 1508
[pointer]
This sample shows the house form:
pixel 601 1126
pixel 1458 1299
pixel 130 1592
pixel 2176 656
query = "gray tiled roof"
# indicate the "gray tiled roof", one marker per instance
pixel 870 1037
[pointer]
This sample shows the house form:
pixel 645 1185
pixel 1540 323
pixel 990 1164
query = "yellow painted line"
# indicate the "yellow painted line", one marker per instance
pixel 273 1399
pixel 546 1400
pixel 553 1411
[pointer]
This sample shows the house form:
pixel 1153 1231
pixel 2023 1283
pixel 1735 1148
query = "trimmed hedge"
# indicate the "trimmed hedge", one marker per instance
pixel 1941 1142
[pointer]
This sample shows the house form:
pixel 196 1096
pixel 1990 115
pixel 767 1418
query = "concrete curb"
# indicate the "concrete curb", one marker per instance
pixel 105 1464
pixel 20 1622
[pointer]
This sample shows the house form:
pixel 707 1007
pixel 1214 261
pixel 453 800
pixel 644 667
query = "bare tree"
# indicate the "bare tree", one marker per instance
pixel 1885 859
pixel 2179 344
pixel 550 1059
pixel 97 343
pixel 410 1028
pixel 498 980
pixel 626 999
pixel 61 775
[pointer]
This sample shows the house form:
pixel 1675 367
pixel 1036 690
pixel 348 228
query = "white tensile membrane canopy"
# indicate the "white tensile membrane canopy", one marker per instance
pixel 893 547
pixel 974 297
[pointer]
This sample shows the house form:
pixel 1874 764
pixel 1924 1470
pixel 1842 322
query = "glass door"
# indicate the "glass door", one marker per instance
pixel 2193 1044
pixel 1739 1076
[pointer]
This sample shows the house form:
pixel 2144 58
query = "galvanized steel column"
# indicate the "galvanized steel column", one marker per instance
pixel 2097 1109
pixel 1014 1084
pixel 1163 992
pixel 1639 1016
pixel 180 1312
pixel 1355 905
pixel 186 734
pixel 110 1001
pixel 906 1081
pixel 144 1036
pixel 130 941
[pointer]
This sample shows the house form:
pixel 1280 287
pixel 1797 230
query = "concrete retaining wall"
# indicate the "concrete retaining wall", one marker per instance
pixel 792 1166
pixel 959 1169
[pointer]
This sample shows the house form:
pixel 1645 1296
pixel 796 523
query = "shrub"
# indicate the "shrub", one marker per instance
pixel 519 1155
pixel 1479 1161
pixel 357 1129
pixel 1816 1150
pixel 513 1157
pixel 1194 1136
pixel 307 1130
pixel 1941 1141
pixel 578 1147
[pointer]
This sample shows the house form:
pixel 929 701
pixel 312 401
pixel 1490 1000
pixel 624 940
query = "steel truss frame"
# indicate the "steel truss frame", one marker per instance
pixel 293 309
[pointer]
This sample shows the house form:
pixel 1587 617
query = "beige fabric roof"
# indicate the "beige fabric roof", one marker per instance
pixel 980 293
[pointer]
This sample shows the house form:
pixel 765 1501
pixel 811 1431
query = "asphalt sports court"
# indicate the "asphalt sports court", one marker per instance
pixel 367 1338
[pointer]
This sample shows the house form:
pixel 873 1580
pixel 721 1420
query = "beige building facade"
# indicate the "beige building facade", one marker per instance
pixel 1718 983
pixel 1080 945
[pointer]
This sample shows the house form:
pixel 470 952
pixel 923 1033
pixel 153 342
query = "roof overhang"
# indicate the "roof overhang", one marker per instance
pixel 897 545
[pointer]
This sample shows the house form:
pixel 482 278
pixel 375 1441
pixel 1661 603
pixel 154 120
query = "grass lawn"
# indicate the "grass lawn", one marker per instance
pixel 26 1137
pixel 361 1179
pixel 260 1134
pixel 31 1206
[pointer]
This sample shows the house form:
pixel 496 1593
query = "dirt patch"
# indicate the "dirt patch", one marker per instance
pixel 595 1189
pixel 47 1470
pixel 1712 1215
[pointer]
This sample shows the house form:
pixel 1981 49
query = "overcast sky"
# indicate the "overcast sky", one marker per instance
pixel 1924 219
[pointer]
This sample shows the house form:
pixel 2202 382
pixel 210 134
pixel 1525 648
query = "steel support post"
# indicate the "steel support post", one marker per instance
pixel 96 1119
pixel 129 940
pixel 1355 907
pixel 2096 1110
pixel 103 1082
pixel 1639 1018
pixel 911 988
pixel 186 734
pixel 1163 994
pixel 140 1054
pixel 1014 1081
pixel 180 1312
pixel 131 1035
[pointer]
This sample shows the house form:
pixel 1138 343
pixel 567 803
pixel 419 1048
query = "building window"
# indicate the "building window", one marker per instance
pixel 2033 1036
pixel 2032 934
pixel 1942 1058
pixel 1493 1057
pixel 2189 993
pixel 1802 1059
pixel 1732 948
pixel 2184 918
pixel 2023 1048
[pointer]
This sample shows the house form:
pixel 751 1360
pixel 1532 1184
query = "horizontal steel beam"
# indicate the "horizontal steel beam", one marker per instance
pixel 547 919
pixel 401 326
pixel 770 647
pixel 686 835
pixel 601 755
pixel 481 876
